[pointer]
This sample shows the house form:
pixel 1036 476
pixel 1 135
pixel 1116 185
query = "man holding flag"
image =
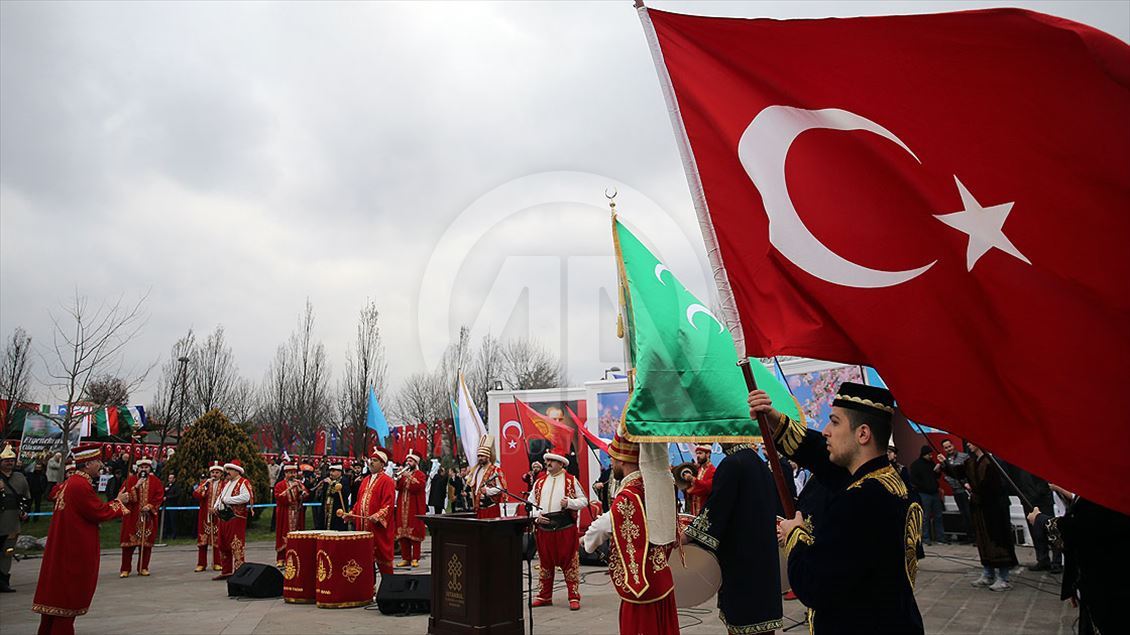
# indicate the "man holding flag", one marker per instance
pixel 866 537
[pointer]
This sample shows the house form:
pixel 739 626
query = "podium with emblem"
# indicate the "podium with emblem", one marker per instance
pixel 476 574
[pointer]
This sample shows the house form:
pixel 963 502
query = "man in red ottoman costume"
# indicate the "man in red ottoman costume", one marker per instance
pixel 486 481
pixel 374 509
pixel 557 496
pixel 207 525
pixel 144 494
pixel 232 508
pixel 69 573
pixel 703 480
pixel 290 515
pixel 638 568
pixel 410 483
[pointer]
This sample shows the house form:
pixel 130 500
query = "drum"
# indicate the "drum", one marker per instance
pixel 344 575
pixel 299 567
pixel 696 575
pixel 694 570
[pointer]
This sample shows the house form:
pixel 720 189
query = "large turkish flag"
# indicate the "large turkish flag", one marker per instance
pixel 954 210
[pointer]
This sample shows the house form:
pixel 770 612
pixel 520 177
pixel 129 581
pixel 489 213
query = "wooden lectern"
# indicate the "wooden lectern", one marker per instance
pixel 476 575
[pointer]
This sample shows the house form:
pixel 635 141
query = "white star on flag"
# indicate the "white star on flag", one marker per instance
pixel 984 225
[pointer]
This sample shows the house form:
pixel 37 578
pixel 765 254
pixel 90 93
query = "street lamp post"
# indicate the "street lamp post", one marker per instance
pixel 183 361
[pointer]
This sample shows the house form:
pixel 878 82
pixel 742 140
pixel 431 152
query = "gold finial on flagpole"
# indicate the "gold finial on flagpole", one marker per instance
pixel 610 194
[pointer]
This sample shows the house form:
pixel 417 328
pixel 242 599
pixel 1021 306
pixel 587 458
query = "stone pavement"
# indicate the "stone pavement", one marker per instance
pixel 176 600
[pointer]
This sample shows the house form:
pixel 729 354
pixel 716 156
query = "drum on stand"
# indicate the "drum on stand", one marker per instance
pixel 299 567
pixel 694 570
pixel 344 576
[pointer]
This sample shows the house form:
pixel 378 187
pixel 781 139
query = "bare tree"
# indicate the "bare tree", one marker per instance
pixel 485 368
pixel 15 375
pixel 423 398
pixel 88 343
pixel 295 395
pixel 274 407
pixel 243 402
pixel 107 390
pixel 528 365
pixel 365 367
pixel 213 374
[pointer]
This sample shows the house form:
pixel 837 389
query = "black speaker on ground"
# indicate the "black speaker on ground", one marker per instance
pixel 255 580
pixel 405 594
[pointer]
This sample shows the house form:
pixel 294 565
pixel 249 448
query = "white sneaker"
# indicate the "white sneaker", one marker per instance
pixel 1000 585
pixel 983 581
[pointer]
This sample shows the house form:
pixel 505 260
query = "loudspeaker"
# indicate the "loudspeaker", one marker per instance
pixel 255 580
pixel 401 594
pixel 529 546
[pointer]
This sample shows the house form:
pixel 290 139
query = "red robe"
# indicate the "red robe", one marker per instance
pixel 410 503
pixel 141 528
pixel 55 489
pixel 699 491
pixel 290 515
pixel 207 525
pixel 376 504
pixel 69 572
pixel 639 569
pixel 479 484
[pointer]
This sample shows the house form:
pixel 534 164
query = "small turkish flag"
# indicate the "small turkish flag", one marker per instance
pixel 944 197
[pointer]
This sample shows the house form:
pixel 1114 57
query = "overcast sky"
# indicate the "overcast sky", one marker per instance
pixel 448 161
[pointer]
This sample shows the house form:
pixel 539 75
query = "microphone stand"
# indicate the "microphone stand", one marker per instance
pixel 529 561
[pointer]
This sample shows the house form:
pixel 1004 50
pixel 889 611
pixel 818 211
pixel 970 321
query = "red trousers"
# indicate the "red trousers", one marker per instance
pixel 233 534
pixel 409 549
pixel 127 558
pixel 202 555
pixel 656 618
pixel 52 625
pixel 558 549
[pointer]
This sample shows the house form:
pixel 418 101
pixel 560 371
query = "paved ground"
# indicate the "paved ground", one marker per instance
pixel 176 600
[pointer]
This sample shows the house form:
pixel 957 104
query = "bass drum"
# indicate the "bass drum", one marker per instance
pixel 696 575
pixel 695 571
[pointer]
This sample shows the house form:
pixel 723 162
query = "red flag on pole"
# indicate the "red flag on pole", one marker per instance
pixel 594 441
pixel 437 440
pixel 535 425
pixel 320 442
pixel 952 212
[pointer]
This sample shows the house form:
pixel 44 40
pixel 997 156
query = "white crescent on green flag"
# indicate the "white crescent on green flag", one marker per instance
pixel 685 384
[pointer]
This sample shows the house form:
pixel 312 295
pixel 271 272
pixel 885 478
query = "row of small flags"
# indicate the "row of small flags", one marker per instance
pixel 93 422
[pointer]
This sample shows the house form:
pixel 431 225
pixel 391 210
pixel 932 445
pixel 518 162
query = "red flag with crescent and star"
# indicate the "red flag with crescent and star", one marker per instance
pixel 944 197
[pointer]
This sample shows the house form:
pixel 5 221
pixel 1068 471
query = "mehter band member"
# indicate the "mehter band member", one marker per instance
pixel 233 506
pixel 410 484
pixel 207 524
pixel 638 568
pixel 559 496
pixel 375 507
pixel 69 573
pixel 702 482
pixel 290 515
pixel 144 494
pixel 738 525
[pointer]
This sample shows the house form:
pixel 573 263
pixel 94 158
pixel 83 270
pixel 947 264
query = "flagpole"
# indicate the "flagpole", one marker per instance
pixel 770 445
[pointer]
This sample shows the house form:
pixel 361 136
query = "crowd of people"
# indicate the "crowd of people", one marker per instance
pixel 860 522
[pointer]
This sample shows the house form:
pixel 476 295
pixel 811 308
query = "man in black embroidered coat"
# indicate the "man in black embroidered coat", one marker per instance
pixel 855 566
pixel 738 526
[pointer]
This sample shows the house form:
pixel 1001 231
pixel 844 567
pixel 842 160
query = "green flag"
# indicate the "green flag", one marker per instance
pixel 685 384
